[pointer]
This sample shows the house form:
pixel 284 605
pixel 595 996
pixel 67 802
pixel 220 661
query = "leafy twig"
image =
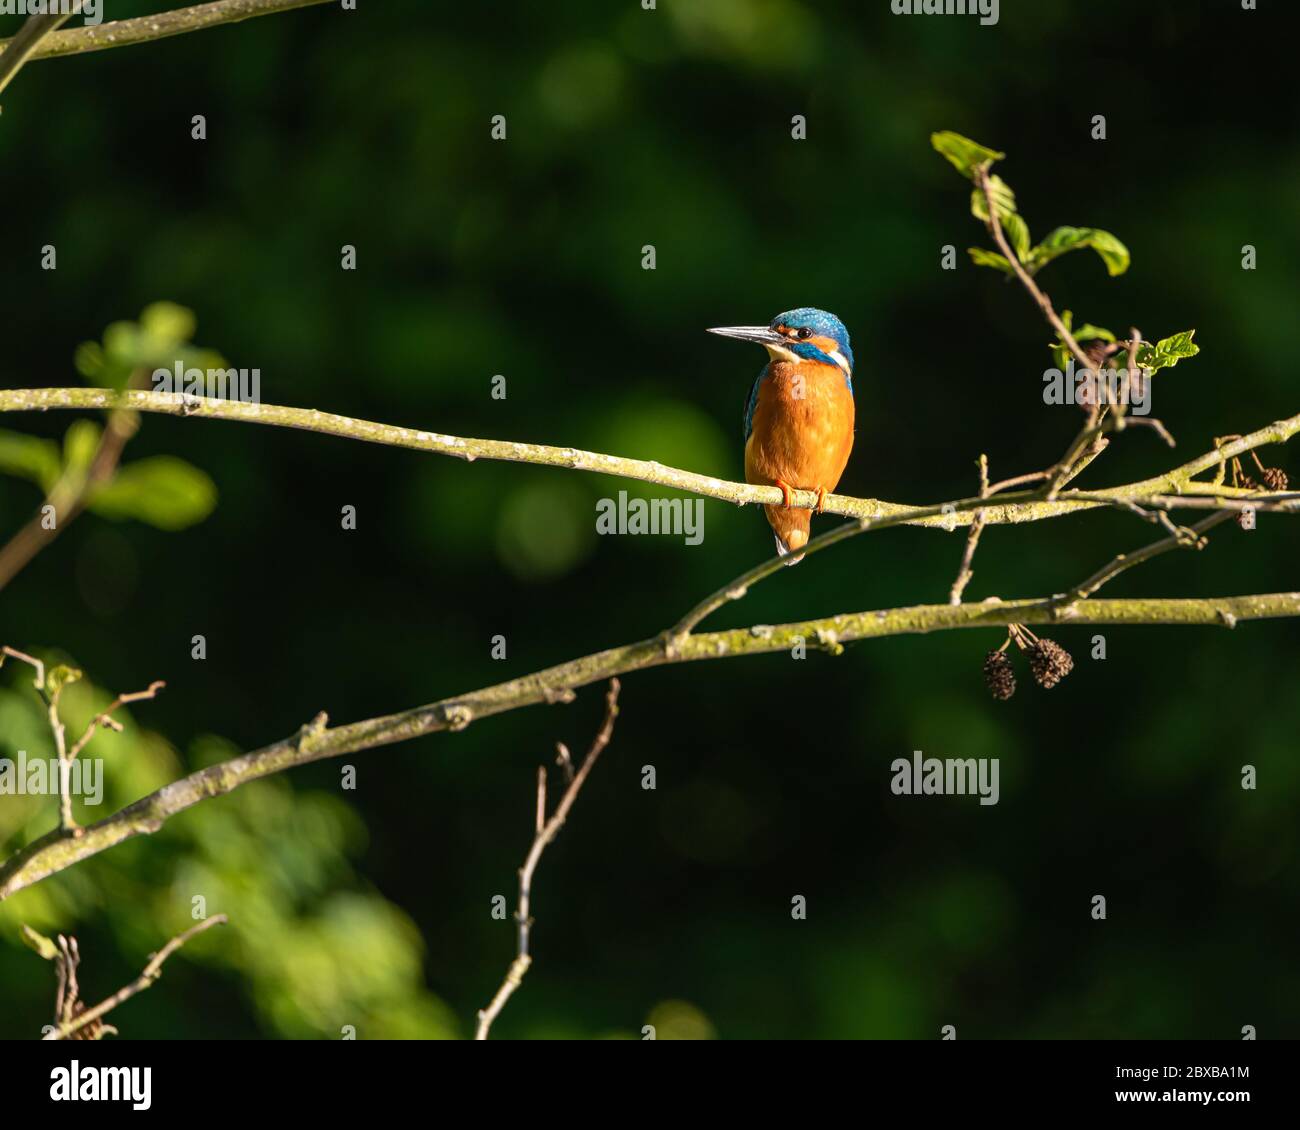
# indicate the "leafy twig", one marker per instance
pixel 1087 444
pixel 50 687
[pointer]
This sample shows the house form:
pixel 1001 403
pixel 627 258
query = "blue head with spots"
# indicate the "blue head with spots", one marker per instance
pixel 817 336
pixel 805 334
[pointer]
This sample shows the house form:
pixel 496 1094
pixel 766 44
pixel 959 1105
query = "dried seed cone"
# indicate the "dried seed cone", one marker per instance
pixel 1275 478
pixel 999 675
pixel 1049 662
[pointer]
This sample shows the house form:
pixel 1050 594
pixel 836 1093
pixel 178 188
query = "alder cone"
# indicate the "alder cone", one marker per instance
pixel 1049 662
pixel 999 675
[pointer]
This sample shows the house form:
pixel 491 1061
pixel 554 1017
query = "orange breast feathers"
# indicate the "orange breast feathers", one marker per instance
pixel 802 435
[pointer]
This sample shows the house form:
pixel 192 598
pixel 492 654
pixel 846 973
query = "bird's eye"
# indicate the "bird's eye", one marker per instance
pixel 804 333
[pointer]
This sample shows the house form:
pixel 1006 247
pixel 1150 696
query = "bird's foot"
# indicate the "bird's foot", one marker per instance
pixel 785 491
pixel 821 499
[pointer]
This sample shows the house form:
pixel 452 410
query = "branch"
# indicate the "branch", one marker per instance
pixel 1026 279
pixel 69 495
pixel 151 973
pixel 27 42
pixel 145 29
pixel 105 717
pixel 1087 444
pixel 59 677
pixel 55 851
pixel 1024 506
pixel 964 570
pixel 1179 538
pixel 547 830
pixel 51 689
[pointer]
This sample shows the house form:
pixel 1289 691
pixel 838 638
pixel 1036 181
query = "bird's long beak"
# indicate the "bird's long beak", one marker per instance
pixel 760 334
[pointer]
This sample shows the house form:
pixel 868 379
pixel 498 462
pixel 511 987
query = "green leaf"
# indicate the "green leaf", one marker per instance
pixel 1089 332
pixel 80 442
pixel 167 322
pixel 1004 203
pixel 1167 352
pixel 89 359
pixel 1017 233
pixel 56 678
pixel 158 341
pixel 162 490
pixel 965 155
pixel 982 258
pixel 41 944
pixel 1113 253
pixel 1004 200
pixel 28 457
pixel 1086 332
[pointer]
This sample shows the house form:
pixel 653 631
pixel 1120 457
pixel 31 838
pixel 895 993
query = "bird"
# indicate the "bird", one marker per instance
pixel 798 419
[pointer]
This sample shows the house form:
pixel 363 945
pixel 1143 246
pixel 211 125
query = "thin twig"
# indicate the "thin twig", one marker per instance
pixel 1026 280
pixel 1155 425
pixel 27 42
pixel 146 29
pixel 57 729
pixel 1282 503
pixel 105 717
pixel 1179 538
pixel 1089 440
pixel 39 682
pixel 51 700
pixel 964 571
pixel 151 973
pixel 545 833
pixel 69 495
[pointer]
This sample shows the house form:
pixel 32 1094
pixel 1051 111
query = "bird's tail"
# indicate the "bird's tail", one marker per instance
pixel 791 528
pixel 783 550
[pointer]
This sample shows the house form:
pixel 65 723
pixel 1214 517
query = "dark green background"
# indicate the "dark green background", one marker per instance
pixel 522 258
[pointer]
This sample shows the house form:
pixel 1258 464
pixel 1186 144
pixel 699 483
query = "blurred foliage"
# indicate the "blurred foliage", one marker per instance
pixel 316 949
pixel 522 258
pixel 161 490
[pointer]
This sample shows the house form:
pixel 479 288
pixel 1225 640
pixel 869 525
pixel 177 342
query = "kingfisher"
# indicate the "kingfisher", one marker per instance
pixel 799 416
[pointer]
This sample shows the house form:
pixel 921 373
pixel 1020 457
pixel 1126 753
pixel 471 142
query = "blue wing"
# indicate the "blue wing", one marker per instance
pixel 752 403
